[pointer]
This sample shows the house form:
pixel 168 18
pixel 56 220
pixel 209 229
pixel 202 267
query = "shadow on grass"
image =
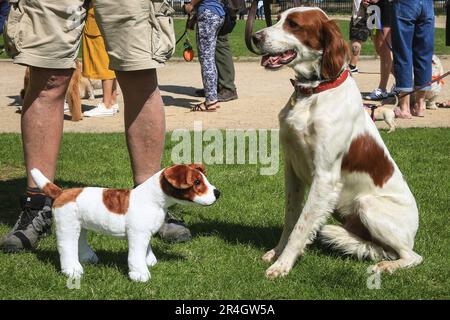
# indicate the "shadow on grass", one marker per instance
pixel 10 192
pixel 257 236
pixel 106 258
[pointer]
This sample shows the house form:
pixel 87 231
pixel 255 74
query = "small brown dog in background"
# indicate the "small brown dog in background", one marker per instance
pixel 79 87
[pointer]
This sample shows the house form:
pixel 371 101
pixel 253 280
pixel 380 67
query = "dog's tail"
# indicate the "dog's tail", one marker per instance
pixel 50 189
pixel 341 239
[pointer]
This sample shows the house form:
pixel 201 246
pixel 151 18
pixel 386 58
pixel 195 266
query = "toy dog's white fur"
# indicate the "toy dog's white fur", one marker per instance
pixel 332 146
pixel 135 214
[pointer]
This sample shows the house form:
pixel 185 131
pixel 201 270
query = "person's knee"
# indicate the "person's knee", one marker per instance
pixel 50 81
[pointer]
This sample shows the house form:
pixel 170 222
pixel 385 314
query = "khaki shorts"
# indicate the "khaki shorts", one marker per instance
pixel 47 34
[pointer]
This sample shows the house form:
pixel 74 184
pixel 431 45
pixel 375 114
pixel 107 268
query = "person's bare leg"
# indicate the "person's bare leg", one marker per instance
pixel 114 92
pixel 380 42
pixel 420 104
pixel 107 86
pixel 144 121
pixel 404 108
pixel 356 49
pixel 42 120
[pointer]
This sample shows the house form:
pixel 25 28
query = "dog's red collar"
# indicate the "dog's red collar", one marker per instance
pixel 326 85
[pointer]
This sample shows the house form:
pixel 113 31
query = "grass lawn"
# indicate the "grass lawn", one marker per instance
pixel 223 259
pixel 239 49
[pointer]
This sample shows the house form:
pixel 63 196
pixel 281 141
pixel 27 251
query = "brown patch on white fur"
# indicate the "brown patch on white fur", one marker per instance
pixel 66 196
pixel 52 190
pixel 73 94
pixel 117 200
pixel 183 182
pixel 366 155
pixel 313 29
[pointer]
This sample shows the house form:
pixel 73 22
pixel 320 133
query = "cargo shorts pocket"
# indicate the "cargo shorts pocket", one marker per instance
pixel 16 27
pixel 163 32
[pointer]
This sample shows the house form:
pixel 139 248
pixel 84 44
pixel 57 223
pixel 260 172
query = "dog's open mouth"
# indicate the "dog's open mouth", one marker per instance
pixel 275 61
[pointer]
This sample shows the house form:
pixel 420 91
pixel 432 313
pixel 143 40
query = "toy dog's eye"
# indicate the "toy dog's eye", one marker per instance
pixel 197 182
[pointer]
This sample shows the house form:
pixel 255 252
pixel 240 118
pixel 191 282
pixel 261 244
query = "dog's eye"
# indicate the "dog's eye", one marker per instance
pixel 197 182
pixel 292 24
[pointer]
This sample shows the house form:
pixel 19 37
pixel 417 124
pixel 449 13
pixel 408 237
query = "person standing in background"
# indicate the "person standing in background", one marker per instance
pixel 358 32
pixel 4 10
pixel 413 46
pixel 95 66
pixel 210 18
pixel 226 89
pixel 381 43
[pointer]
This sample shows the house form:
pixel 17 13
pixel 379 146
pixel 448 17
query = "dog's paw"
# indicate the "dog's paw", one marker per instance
pixel 276 270
pixel 139 276
pixel 385 266
pixel 90 257
pixel 73 272
pixel 269 256
pixel 151 260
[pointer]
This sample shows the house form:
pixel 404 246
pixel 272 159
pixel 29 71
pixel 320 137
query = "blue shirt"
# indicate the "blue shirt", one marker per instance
pixel 215 6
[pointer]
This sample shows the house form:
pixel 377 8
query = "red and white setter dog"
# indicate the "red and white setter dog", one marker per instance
pixel 333 147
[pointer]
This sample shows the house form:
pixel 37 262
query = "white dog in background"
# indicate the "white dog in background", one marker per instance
pixel 431 96
pixel 135 214
pixel 332 145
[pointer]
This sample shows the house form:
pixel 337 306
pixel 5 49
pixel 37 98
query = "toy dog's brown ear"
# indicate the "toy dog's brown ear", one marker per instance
pixel 198 166
pixel 179 176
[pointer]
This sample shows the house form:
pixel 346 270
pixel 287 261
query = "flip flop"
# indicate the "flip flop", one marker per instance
pixel 443 105
pixel 203 107
pixel 399 114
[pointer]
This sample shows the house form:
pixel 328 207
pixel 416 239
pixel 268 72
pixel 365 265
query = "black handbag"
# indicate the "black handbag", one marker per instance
pixel 229 22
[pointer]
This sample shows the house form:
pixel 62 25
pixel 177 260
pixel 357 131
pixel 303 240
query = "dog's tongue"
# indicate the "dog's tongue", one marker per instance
pixel 276 61
pixel 271 62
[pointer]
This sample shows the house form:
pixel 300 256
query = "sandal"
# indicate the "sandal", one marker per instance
pixel 204 107
pixel 401 115
pixel 416 112
pixel 445 104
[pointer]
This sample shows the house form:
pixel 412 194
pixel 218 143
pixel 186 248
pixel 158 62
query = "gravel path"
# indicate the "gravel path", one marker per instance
pixel 261 95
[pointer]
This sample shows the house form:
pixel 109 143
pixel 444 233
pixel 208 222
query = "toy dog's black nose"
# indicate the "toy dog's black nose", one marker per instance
pixel 216 193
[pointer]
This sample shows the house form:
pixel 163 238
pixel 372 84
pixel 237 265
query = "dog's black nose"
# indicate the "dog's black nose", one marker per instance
pixel 216 193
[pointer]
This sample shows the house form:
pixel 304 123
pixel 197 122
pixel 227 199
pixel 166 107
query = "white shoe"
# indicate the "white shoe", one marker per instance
pixel 99 111
pixel 115 107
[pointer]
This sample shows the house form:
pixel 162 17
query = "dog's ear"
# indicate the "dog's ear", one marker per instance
pixel 179 176
pixel 198 166
pixel 335 50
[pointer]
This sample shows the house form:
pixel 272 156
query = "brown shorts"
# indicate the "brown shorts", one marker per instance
pixel 47 34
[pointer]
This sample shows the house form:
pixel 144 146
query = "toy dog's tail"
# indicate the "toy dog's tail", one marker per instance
pixel 50 189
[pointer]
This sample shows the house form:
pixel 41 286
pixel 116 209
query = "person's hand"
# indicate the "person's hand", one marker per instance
pixel 188 8
pixel 367 3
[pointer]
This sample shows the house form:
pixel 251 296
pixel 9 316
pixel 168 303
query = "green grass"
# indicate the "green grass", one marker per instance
pixel 223 259
pixel 239 49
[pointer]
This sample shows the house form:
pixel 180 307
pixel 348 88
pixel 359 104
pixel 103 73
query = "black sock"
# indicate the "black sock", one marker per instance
pixel 33 191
